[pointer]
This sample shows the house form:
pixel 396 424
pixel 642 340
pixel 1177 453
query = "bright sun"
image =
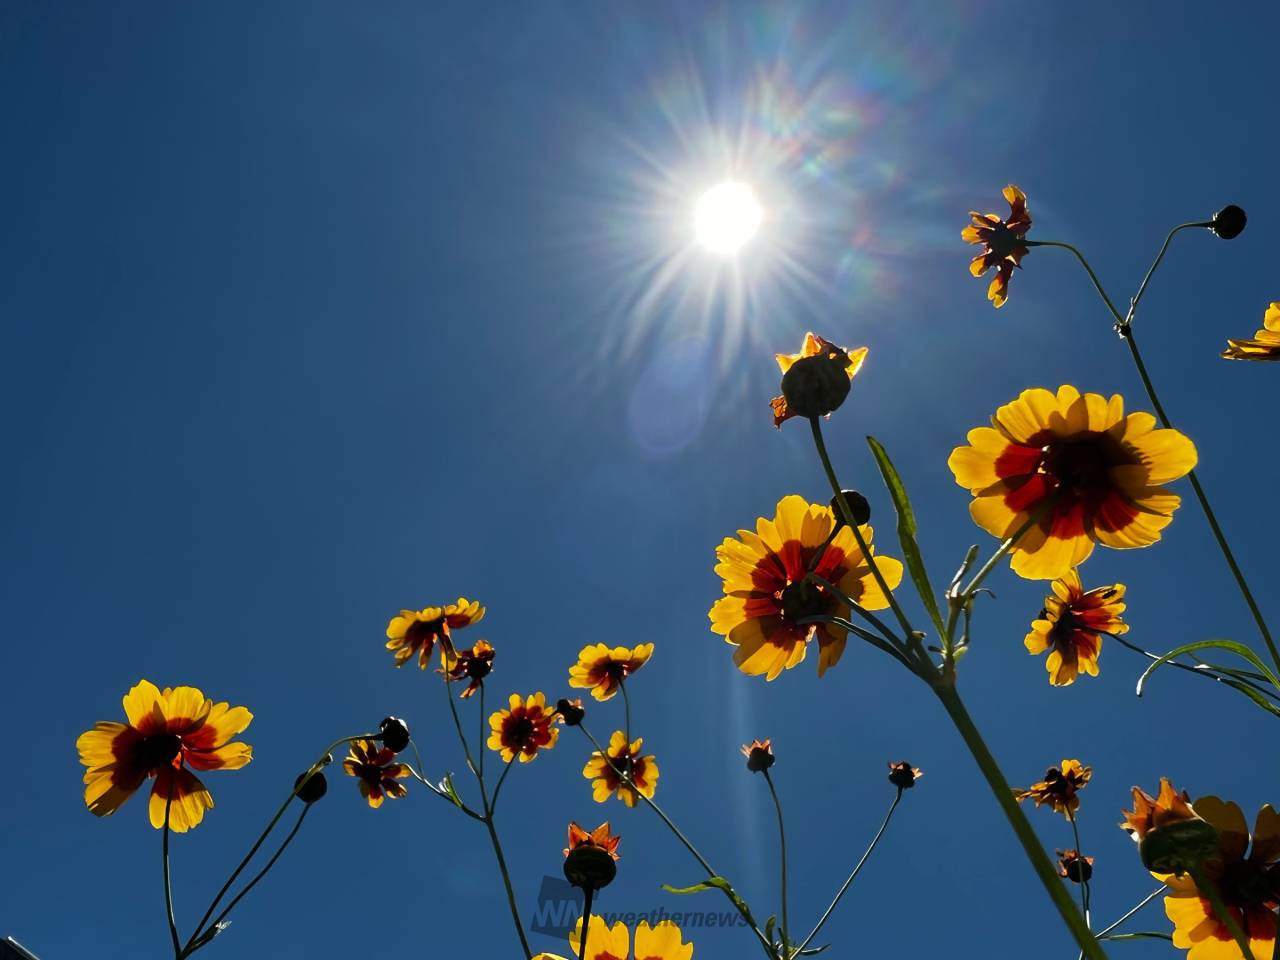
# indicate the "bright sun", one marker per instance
pixel 726 217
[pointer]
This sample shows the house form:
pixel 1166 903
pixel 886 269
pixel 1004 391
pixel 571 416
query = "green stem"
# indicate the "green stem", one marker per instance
pixel 1141 903
pixel 587 896
pixel 626 705
pixel 168 888
pixel 782 843
pixel 1097 285
pixel 506 881
pixel 1211 893
pixel 1084 884
pixel 857 868
pixel 857 608
pixel 1039 860
pixel 1142 288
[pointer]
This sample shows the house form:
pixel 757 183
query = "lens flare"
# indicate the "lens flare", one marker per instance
pixel 726 217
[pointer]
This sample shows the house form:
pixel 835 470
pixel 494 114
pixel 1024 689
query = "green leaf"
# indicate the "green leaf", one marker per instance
pixel 907 533
pixel 717 883
pixel 1231 646
pixel 450 791
pixel 1139 935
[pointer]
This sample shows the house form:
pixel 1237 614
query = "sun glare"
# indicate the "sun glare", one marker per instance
pixel 726 217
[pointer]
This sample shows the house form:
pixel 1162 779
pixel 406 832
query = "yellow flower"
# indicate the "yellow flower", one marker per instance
pixel 626 759
pixel 415 632
pixel 820 381
pixel 378 771
pixel 1059 788
pixel 1265 344
pixel 1091 473
pixel 1151 813
pixel 767 594
pixel 473 665
pixel 1246 882
pixel 663 942
pixel 1002 242
pixel 524 729
pixel 1071 624
pixel 602 670
pixel 167 730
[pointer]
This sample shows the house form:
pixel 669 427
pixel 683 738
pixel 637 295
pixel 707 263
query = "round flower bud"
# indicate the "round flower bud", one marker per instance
pixel 394 734
pixel 570 711
pixel 815 386
pixel 1178 846
pixel 589 867
pixel 903 775
pixel 313 789
pixel 858 506
pixel 1228 223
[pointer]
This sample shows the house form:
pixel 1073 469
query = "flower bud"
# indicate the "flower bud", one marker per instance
pixel 1178 846
pixel 394 734
pixel 589 867
pixel 313 789
pixel 1074 867
pixel 1228 223
pixel 858 506
pixel 815 386
pixel 903 775
pixel 759 754
pixel 570 711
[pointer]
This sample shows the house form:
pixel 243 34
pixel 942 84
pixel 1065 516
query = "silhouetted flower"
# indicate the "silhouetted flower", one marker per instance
pixel 816 380
pixel 1002 243
pixel 641 773
pixel 1071 624
pixel 1059 788
pixel 377 771
pixel 602 669
pixel 415 632
pixel 759 754
pixel 903 775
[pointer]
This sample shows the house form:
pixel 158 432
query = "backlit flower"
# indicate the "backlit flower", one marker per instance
pixel 415 632
pixel 1265 344
pixel 377 770
pixel 759 754
pixel 1059 788
pixel 591 859
pixel 624 772
pixel 1078 463
pixel 602 669
pixel 661 942
pixel 1002 243
pixel 524 728
pixel 1151 813
pixel 1072 866
pixel 767 593
pixel 816 380
pixel 1247 880
pixel 600 838
pixel 474 665
pixel 1071 624
pixel 167 731
pixel 903 775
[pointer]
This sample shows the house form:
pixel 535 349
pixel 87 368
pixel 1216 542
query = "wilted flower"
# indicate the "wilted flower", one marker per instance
pixel 377 770
pixel 1265 344
pixel 1172 837
pixel 523 729
pixel 167 731
pixel 768 593
pixel 759 754
pixel 590 860
pixel 415 632
pixel 661 942
pixel 1002 243
pixel 816 380
pixel 1088 471
pixel 1074 867
pixel 394 734
pixel 602 669
pixel 474 665
pixel 1059 788
pixel 903 775
pixel 641 772
pixel 1071 624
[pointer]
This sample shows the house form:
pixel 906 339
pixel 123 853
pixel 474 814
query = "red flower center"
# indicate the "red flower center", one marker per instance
pixel 522 730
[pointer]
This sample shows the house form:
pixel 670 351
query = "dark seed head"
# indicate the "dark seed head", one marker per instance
pixel 858 506
pixel 313 789
pixel 394 734
pixel 1229 222
pixel 590 868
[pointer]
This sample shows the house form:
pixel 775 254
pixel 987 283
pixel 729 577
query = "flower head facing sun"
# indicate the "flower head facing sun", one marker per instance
pixel 602 669
pixel 816 380
pixel 1265 344
pixel 1071 625
pixel 524 728
pixel 1002 241
pixel 621 771
pixel 1059 788
pixel 591 859
pixel 415 632
pixel 473 665
pixel 1075 470
pixel 768 594
pixel 661 942
pixel 377 771
pixel 167 731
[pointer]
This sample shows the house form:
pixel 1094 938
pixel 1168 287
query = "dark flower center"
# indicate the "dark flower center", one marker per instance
pixel 803 599
pixel 522 730
pixel 1245 884
pixel 1082 464
pixel 159 750
pixel 1002 240
pixel 421 631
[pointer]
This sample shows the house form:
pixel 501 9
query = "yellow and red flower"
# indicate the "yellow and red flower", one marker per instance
pixel 1059 788
pixel 1002 241
pixel 1071 625
pixel 1245 878
pixel 661 942
pixel 1265 344
pixel 1151 813
pixel 167 731
pixel 523 729
pixel 828 383
pixel 474 665
pixel 606 771
pixel 1080 468
pixel 602 669
pixel 377 770
pixel 767 592
pixel 415 632
pixel 600 838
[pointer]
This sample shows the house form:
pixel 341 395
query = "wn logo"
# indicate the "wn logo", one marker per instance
pixel 558 910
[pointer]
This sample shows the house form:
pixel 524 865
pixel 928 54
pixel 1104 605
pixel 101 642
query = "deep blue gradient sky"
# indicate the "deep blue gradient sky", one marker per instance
pixel 316 310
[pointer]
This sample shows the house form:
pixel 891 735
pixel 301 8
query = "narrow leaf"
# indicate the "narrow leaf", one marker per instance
pixel 1239 649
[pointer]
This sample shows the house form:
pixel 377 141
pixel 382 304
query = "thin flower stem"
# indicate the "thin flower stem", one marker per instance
pixel 588 893
pixel 493 804
pixel 626 706
pixel 1039 860
pixel 1142 288
pixel 866 635
pixel 815 425
pixel 421 778
pixel 1202 671
pixel 1141 903
pixel 1097 285
pixel 1211 892
pixel 857 867
pixel 782 843
pixel 462 738
pixel 481 738
pixel 1081 865
pixel 168 888
pixel 306 807
pixel 857 608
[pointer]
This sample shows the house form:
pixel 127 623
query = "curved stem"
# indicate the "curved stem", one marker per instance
pixel 1097 285
pixel 1141 903
pixel 506 882
pixel 866 635
pixel 168 888
pixel 857 608
pixel 1084 884
pixel 263 872
pixel 493 803
pixel 857 867
pixel 1202 671
pixel 1142 288
pixel 782 843
pixel 1211 893
pixel 480 737
pixel 1022 828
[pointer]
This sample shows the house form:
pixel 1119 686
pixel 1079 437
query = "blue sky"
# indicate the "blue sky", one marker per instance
pixel 316 310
